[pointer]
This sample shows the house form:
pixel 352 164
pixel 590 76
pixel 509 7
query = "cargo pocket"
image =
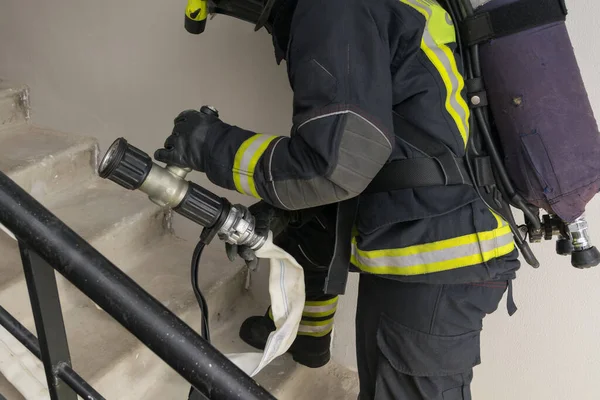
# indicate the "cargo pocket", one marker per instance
pixel 458 393
pixel 420 354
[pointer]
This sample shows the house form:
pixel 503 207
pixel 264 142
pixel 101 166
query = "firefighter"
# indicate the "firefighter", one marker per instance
pixel 377 86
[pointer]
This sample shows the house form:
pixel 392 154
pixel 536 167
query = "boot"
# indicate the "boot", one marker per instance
pixel 311 347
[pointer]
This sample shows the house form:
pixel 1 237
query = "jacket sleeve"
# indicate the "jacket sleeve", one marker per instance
pixel 339 71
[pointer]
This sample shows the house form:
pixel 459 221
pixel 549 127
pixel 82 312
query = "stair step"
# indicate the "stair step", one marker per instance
pixel 165 274
pixel 120 367
pixel 14 104
pixel 332 382
pixel 145 376
pixel 115 221
pixel 8 391
pixel 43 161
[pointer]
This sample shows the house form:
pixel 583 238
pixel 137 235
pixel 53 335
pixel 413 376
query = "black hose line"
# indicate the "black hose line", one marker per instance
pixel 197 292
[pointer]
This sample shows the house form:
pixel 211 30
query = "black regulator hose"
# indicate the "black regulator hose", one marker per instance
pixel 459 10
pixel 197 292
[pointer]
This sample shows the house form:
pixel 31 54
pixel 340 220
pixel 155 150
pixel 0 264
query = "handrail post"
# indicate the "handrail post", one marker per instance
pixel 49 323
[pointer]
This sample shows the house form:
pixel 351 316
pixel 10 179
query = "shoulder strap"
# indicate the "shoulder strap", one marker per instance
pixel 511 18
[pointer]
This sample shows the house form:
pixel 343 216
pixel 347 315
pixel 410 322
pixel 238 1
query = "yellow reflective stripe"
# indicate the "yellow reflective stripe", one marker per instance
pixel 245 161
pixel 317 309
pixel 499 219
pixel 316 323
pixel 319 314
pixel 438 256
pixel 433 43
pixel 440 24
pixel 321 303
pixel 326 308
pixel 312 314
pixel 438 266
pixel 435 246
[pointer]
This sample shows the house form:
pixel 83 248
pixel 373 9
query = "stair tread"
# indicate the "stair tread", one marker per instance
pixel 6 85
pixel 284 378
pixel 98 206
pixel 98 212
pixel 14 104
pixel 8 390
pixel 26 145
pixel 44 161
pixel 92 210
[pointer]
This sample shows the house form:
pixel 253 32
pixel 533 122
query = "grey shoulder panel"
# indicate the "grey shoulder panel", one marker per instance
pixel 363 150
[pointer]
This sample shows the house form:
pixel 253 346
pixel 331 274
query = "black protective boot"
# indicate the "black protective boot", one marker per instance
pixel 310 351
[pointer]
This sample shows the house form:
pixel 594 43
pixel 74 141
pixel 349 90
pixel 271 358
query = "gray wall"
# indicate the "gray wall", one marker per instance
pixel 127 68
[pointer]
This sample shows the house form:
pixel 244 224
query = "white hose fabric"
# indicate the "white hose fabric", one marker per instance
pixel 286 288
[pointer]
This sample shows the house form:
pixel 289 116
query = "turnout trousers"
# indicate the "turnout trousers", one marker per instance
pixel 420 341
pixel 414 341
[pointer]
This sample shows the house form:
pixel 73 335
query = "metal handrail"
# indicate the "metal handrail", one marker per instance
pixel 192 357
pixel 63 370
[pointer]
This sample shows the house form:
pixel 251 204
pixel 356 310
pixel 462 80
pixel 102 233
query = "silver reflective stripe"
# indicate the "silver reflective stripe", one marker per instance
pixel 446 66
pixel 320 309
pixel 245 162
pixel 315 329
pixel 345 112
pixel 436 256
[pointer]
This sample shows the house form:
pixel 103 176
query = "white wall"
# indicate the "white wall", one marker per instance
pixel 126 68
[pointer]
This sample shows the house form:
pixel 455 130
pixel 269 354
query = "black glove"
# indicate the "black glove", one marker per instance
pixel 185 147
pixel 267 218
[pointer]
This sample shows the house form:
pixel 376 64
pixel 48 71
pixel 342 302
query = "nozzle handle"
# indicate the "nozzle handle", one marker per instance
pixel 178 171
pixel 201 206
pixel 183 172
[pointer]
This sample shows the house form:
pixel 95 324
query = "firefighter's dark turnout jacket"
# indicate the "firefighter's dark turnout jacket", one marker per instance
pixel 356 66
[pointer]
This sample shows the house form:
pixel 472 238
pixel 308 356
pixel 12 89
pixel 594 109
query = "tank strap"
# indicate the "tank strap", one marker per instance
pixel 511 307
pixel 510 19
pixel 337 275
pixel 438 167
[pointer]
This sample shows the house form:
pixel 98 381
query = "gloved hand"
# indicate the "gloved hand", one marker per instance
pixel 267 218
pixel 185 147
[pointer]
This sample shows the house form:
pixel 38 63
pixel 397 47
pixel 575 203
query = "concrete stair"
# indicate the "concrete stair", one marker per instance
pixel 59 170
pixel 14 104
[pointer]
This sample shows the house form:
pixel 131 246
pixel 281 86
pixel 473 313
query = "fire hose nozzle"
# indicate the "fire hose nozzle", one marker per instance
pixel 133 169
